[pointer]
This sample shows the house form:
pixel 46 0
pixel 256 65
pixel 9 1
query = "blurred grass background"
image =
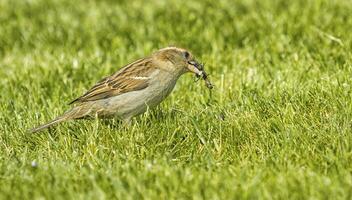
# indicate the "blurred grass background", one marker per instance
pixel 277 125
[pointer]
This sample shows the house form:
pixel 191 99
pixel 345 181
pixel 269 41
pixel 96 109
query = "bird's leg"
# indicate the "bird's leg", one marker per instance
pixel 127 121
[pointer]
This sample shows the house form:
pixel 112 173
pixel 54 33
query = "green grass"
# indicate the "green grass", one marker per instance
pixel 277 125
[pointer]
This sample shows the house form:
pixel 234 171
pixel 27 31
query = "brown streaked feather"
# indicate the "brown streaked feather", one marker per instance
pixel 120 82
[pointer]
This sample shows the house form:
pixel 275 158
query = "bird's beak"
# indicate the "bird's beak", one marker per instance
pixel 195 67
pixel 198 69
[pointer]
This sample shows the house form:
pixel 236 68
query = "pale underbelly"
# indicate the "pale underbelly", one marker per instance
pixel 131 104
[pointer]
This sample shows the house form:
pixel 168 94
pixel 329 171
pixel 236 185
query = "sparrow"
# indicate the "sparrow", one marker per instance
pixel 134 88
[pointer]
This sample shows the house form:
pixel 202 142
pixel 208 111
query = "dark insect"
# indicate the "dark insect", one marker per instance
pixel 204 76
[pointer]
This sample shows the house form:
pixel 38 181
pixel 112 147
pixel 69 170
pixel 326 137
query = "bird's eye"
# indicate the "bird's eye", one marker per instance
pixel 186 54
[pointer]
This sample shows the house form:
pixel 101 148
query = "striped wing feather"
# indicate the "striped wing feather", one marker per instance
pixel 121 82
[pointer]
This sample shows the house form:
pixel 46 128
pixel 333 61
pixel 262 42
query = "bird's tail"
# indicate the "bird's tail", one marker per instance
pixel 47 125
pixel 74 113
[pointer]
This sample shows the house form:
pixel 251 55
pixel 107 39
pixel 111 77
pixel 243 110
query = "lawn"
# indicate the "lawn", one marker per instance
pixel 277 125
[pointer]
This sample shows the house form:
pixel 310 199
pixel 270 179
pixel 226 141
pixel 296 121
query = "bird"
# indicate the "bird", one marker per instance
pixel 136 87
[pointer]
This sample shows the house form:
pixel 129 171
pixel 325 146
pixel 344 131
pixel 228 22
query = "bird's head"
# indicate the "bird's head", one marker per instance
pixel 181 60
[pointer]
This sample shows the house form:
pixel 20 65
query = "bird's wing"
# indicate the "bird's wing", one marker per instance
pixel 132 77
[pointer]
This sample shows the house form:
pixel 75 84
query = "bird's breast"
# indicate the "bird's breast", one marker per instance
pixel 136 102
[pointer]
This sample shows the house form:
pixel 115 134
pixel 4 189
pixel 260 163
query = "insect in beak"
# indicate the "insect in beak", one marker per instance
pixel 198 69
pixel 195 67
